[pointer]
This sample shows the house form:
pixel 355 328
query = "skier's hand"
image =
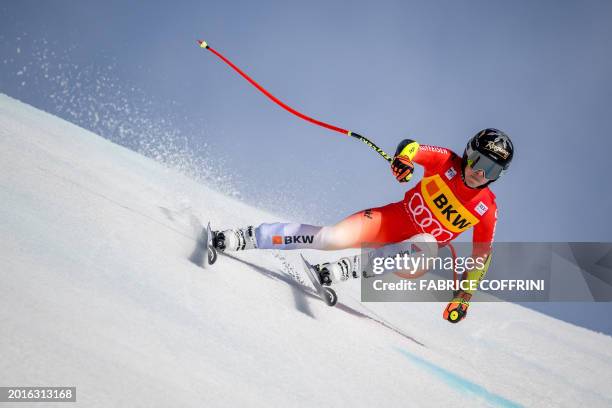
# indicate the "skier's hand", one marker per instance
pixel 456 310
pixel 402 166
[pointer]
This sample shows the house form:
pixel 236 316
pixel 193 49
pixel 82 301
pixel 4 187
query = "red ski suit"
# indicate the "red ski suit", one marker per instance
pixel 440 204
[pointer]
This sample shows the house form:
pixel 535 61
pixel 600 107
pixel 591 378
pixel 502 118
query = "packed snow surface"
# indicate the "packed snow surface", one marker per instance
pixel 97 291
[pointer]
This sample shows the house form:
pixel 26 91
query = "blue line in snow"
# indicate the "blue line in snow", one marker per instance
pixel 461 383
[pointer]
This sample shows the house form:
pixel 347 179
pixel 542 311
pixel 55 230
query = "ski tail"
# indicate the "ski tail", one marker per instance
pixel 328 295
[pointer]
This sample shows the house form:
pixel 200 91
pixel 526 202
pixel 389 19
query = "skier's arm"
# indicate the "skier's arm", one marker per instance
pixel 430 157
pixel 409 152
pixel 481 252
pixel 482 243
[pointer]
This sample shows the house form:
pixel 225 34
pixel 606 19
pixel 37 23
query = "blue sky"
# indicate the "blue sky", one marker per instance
pixel 435 71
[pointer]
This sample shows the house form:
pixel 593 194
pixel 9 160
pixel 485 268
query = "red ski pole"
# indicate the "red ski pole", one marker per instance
pixel 288 108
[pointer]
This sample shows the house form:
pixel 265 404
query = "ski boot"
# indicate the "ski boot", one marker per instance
pixel 323 274
pixel 339 271
pixel 238 239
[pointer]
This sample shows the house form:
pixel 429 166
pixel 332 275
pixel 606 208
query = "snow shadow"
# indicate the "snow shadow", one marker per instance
pixel 301 293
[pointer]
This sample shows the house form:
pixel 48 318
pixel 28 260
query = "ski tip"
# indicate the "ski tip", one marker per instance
pixel 203 43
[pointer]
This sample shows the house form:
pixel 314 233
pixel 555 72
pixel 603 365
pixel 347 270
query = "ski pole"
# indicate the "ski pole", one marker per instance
pixel 288 108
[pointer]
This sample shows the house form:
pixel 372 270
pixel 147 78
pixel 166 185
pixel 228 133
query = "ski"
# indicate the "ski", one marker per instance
pixel 208 250
pixel 328 295
pixel 207 255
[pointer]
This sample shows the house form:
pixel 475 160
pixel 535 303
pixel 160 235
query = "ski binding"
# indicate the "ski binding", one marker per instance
pixel 328 295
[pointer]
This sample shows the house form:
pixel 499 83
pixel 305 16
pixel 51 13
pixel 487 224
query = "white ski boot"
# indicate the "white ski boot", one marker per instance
pixel 339 271
pixel 238 239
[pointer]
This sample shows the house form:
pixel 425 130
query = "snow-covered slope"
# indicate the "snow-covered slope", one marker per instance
pixel 97 291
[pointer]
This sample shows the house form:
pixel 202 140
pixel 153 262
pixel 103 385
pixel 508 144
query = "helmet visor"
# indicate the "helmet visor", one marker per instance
pixel 478 161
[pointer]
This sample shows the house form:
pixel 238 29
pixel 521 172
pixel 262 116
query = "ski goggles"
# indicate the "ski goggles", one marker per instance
pixel 478 161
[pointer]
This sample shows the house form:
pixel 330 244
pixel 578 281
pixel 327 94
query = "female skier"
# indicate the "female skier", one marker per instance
pixel 452 197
